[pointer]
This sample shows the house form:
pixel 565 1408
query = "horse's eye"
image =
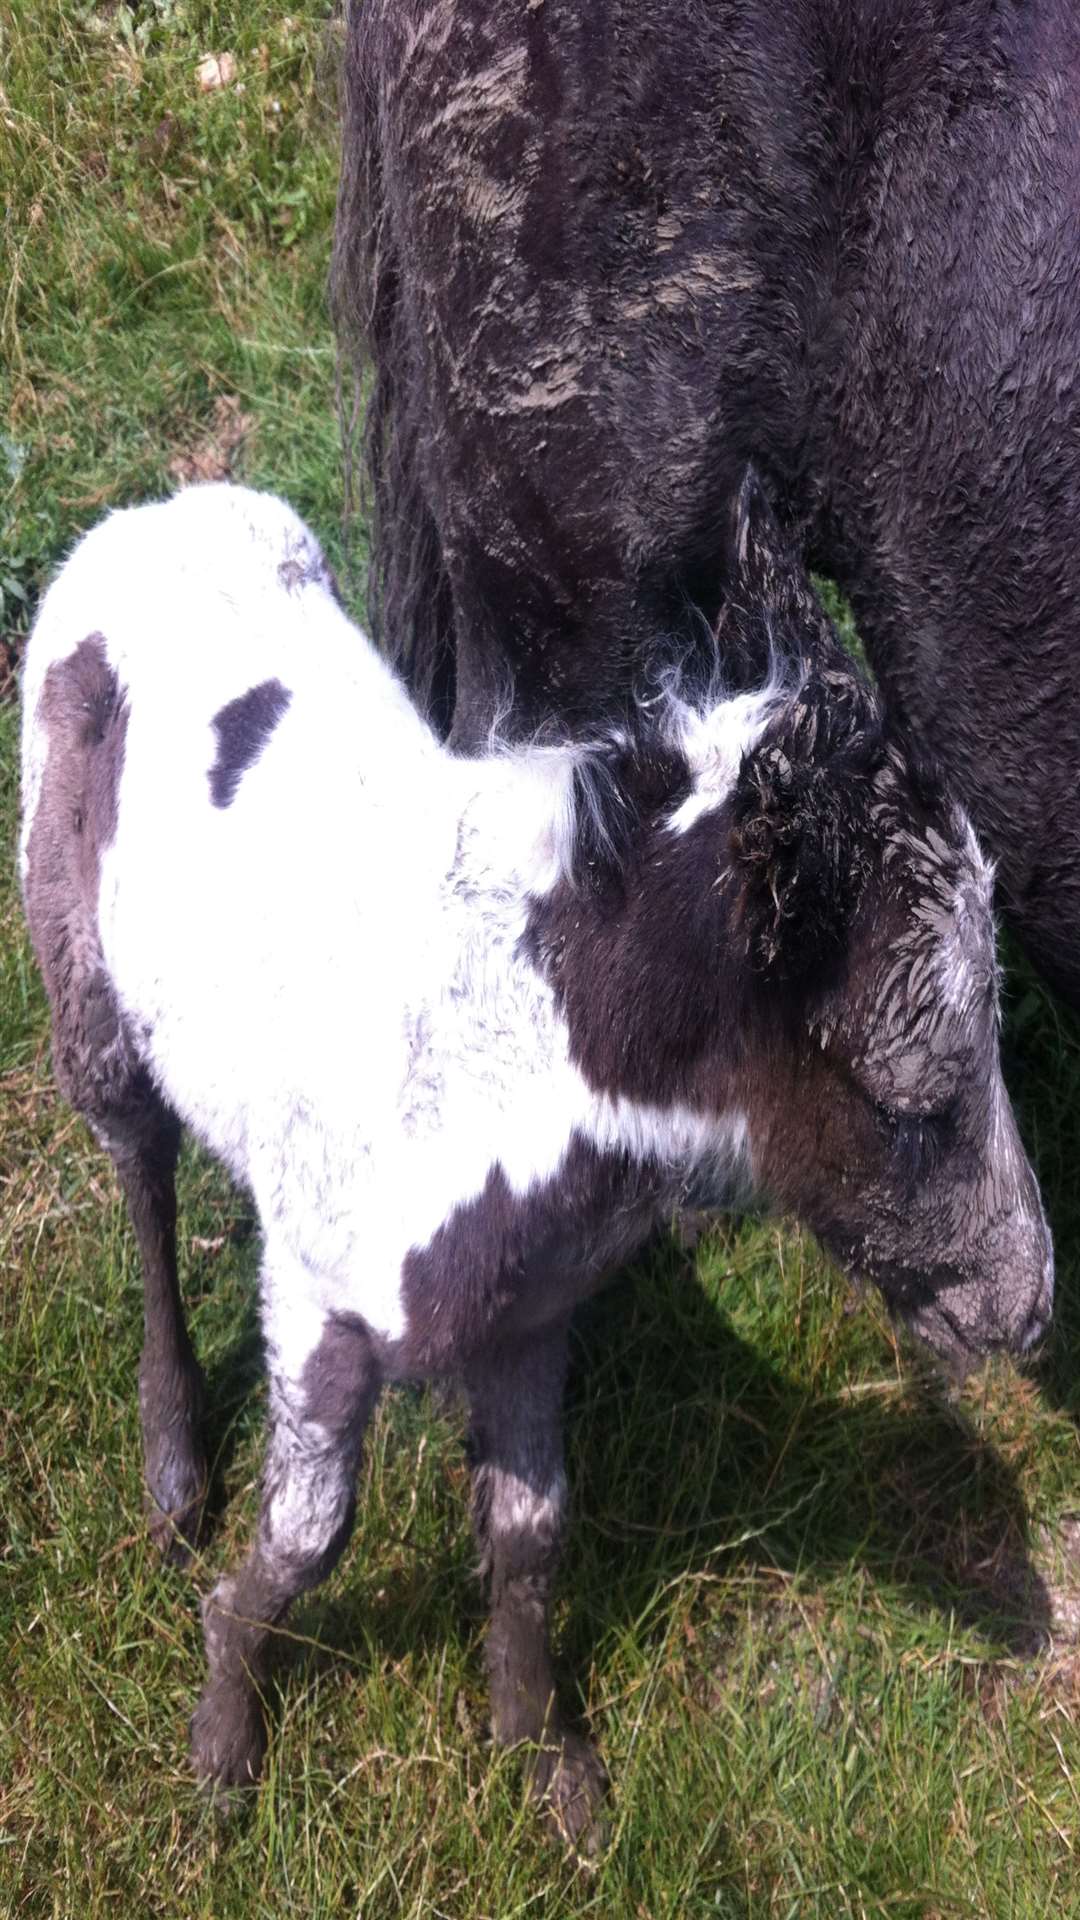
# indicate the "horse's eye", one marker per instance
pixel 915 1139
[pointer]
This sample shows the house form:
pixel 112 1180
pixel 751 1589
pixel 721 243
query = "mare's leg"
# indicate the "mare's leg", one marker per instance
pixel 519 1498
pixel 320 1399
pixel 171 1387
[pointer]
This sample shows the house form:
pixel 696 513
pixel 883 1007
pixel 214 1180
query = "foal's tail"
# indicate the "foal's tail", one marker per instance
pixel 409 607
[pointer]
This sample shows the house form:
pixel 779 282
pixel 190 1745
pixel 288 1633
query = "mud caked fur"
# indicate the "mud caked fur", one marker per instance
pixel 591 259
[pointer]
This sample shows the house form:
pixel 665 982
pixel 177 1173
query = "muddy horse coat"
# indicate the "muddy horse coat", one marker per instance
pixel 601 254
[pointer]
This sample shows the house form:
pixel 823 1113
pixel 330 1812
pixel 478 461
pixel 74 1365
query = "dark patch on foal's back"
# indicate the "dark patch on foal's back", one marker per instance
pixel 243 727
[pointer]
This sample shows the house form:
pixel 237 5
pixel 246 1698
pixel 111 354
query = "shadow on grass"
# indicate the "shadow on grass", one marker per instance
pixel 749 1467
pixel 236 1371
pixel 231 1381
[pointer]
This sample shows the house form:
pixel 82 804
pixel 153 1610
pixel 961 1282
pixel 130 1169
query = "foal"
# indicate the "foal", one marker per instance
pixel 470 1029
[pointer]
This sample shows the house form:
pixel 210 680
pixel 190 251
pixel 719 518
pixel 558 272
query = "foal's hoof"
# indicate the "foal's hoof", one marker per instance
pixel 176 1533
pixel 174 1464
pixel 228 1739
pixel 570 1783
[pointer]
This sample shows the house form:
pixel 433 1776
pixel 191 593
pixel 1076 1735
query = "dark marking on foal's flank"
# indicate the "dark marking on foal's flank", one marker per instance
pixel 504 1263
pixel 84 708
pixel 84 717
pixel 243 727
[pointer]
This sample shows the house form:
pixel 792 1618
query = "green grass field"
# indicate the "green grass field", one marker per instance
pixel 823 1618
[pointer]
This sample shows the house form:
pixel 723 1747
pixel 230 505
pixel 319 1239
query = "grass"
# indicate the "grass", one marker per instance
pixel 822 1617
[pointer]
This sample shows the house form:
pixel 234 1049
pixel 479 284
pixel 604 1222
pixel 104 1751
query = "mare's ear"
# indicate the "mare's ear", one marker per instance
pixel 800 834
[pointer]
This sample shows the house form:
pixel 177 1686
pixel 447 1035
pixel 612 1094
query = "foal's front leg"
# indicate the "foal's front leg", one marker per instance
pixel 519 1499
pixel 320 1400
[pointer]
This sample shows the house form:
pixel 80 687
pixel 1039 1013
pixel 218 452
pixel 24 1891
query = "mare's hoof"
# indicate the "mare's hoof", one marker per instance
pixel 570 1783
pixel 228 1739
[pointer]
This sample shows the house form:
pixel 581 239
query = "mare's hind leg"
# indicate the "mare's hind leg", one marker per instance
pixel 171 1386
pixel 519 1498
pixel 320 1399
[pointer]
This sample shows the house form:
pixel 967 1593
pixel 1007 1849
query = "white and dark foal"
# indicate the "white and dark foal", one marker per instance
pixel 469 1029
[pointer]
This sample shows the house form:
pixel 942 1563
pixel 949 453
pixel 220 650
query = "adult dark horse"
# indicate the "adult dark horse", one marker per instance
pixel 603 251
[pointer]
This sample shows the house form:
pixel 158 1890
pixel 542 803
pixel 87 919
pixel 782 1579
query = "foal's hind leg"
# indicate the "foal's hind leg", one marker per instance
pixel 171 1385
pixel 320 1399
pixel 99 1069
pixel 79 730
pixel 519 1498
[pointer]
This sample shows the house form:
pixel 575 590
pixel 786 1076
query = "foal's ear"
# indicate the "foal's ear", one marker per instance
pixel 800 841
pixel 764 567
pixel 757 549
pixel 770 609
